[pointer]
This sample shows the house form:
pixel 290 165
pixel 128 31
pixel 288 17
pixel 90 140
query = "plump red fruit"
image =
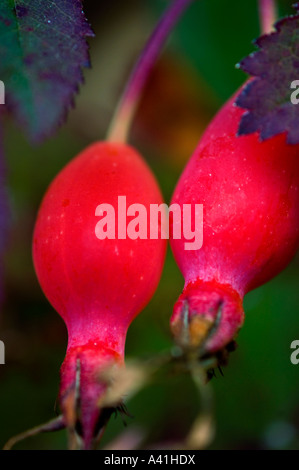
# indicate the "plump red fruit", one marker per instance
pixel 97 286
pixel 249 191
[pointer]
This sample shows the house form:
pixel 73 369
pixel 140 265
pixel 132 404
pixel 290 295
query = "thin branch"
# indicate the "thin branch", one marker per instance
pixel 56 424
pixel 124 115
pixel 268 15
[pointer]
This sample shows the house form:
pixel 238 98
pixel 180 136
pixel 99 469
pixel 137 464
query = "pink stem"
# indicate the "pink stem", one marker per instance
pixel 124 115
pixel 268 15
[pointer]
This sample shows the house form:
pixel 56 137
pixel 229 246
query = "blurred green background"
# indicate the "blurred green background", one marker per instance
pixel 256 402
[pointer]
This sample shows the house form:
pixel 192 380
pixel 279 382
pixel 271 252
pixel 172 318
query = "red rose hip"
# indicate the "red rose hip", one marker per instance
pixel 97 286
pixel 250 195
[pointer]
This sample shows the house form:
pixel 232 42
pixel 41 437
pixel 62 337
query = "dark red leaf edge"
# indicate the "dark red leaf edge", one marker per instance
pixel 267 97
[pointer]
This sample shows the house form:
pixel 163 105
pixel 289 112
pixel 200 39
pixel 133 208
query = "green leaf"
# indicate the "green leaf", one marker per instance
pixel 43 49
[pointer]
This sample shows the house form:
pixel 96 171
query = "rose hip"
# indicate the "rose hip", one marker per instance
pixel 250 197
pixel 97 286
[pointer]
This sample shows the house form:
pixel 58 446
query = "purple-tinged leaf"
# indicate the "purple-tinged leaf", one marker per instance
pixel 43 49
pixel 267 97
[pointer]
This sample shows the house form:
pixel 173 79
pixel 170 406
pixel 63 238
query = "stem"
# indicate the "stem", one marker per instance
pixel 202 431
pixel 124 115
pixel 268 15
pixel 56 424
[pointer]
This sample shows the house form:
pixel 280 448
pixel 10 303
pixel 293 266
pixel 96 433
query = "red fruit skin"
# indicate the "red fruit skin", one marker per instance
pixel 97 286
pixel 250 197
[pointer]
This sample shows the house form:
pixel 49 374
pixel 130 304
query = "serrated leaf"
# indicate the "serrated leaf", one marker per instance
pixel 267 97
pixel 43 49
